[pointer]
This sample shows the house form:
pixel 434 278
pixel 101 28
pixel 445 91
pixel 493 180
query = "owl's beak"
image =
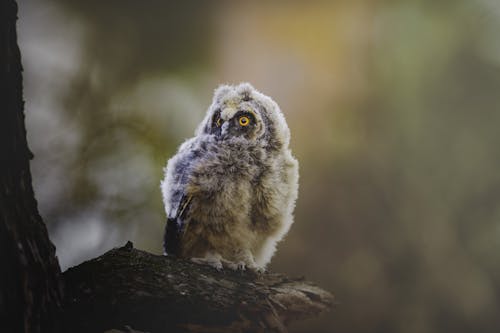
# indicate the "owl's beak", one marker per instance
pixel 222 133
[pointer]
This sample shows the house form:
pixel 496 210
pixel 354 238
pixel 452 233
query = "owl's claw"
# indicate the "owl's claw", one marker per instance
pixel 216 261
pixel 239 266
pixel 210 261
pixel 260 270
pixel 235 266
pixel 256 270
pixel 242 266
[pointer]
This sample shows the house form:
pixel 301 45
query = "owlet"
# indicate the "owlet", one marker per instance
pixel 230 191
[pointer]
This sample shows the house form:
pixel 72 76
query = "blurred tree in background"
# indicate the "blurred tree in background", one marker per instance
pixel 393 107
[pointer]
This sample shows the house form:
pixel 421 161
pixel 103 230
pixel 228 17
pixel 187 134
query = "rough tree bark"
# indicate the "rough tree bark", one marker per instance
pixel 124 286
pixel 30 294
pixel 155 293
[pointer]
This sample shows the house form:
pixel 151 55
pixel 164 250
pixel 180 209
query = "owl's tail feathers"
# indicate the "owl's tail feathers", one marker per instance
pixel 171 239
pixel 174 228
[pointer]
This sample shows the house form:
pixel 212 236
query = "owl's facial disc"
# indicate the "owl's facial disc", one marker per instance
pixel 241 124
pixel 232 123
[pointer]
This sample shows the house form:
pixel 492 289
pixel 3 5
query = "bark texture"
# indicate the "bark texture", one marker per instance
pixel 130 288
pixel 30 286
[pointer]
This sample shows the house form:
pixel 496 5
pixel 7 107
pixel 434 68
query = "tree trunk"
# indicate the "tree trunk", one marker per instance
pixel 30 294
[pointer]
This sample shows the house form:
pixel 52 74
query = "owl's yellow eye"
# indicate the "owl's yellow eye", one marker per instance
pixel 218 122
pixel 244 121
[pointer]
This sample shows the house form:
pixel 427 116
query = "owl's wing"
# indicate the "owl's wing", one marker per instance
pixel 175 226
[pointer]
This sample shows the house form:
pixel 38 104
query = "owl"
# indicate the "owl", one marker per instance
pixel 230 191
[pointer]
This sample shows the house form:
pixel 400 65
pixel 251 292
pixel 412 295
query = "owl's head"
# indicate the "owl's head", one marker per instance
pixel 243 112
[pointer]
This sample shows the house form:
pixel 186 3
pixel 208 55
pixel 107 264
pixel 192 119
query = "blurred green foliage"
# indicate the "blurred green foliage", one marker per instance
pixel 394 109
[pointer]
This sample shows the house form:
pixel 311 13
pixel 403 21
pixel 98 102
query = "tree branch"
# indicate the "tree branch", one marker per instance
pixel 128 287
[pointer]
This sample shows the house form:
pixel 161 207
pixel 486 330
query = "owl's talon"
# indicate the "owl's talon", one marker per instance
pixel 256 270
pixel 259 270
pixel 235 266
pixel 215 263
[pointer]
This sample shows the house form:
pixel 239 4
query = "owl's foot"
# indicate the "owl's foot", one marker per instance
pixel 215 260
pixel 259 270
pixel 242 266
pixel 256 269
pixel 235 266
pixel 246 262
pixel 211 259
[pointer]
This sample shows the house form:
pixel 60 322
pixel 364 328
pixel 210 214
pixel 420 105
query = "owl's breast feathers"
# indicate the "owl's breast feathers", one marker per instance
pixel 211 183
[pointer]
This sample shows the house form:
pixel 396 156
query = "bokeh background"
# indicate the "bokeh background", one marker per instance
pixel 394 108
